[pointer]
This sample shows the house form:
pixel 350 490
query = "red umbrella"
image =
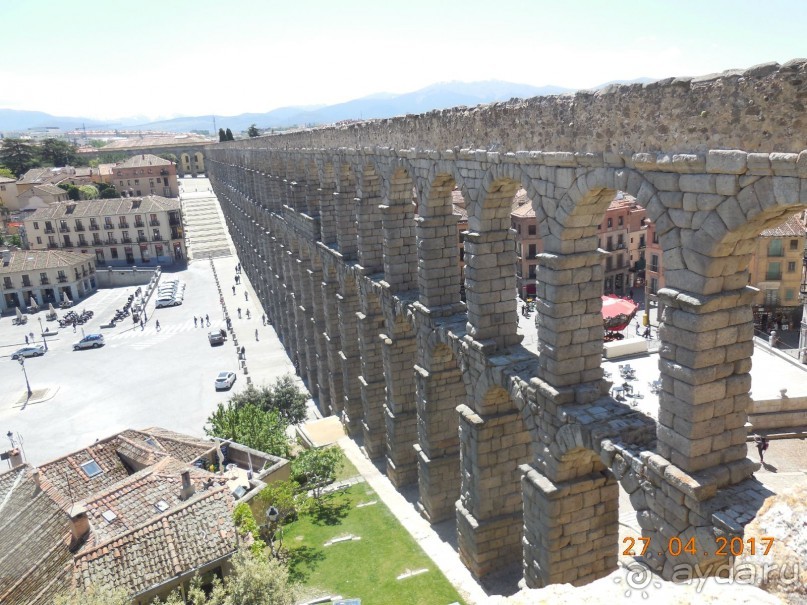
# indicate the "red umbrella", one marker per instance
pixel 617 313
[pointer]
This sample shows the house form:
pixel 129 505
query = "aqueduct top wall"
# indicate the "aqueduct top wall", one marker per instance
pixel 758 109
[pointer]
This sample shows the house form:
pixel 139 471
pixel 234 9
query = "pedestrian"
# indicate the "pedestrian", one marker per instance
pixel 233 290
pixel 237 280
pixel 243 353
pixel 263 319
pixel 647 332
pixel 236 269
pixel 157 325
pixel 207 319
pixel 249 315
pixel 762 445
pixel 194 321
pixel 142 324
pixel 74 326
pixel 26 339
pixel 239 312
pixel 256 334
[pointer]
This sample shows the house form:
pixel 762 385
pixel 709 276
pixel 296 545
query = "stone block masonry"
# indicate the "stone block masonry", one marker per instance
pixel 350 231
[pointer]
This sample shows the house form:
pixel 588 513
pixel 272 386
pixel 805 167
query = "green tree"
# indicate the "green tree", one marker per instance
pixel 55 152
pixel 222 135
pixel 18 156
pixel 6 173
pixel 229 134
pixel 88 192
pixel 97 143
pixel 73 192
pixel 106 191
pixel 317 467
pixel 284 397
pixel 168 156
pixel 250 426
pixel 253 131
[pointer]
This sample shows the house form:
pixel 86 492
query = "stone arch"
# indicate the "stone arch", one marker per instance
pixel 346 211
pixel 398 227
pixel 199 159
pixel 184 163
pixel 328 209
pixel 369 218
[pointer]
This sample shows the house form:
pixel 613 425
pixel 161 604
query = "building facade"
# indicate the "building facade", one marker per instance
pixel 117 232
pixel 776 270
pixel 8 192
pixel 146 174
pixel 39 196
pixel 43 277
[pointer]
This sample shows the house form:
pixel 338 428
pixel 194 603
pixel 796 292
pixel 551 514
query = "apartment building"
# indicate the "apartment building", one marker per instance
pixel 118 232
pixel 146 174
pixel 42 277
pixel 776 270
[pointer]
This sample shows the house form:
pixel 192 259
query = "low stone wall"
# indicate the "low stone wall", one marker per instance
pixel 623 348
pixel 121 277
pixel 782 412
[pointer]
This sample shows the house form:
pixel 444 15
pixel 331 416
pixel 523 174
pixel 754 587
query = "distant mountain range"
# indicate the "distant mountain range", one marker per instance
pixel 382 105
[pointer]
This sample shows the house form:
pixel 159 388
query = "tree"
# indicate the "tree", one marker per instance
pixel 73 192
pixel 284 397
pixel 253 131
pixel 6 173
pixel 222 135
pixel 57 153
pixel 97 143
pixel 168 156
pixel 106 191
pixel 18 156
pixel 250 426
pixel 315 468
pixel 88 192
pixel 230 136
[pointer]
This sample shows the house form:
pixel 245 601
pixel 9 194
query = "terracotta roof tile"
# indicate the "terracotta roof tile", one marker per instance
pixel 117 206
pixel 792 227
pixel 34 260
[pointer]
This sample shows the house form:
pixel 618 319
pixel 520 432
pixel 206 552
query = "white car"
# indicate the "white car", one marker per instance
pixel 35 351
pixel 167 302
pixel 225 380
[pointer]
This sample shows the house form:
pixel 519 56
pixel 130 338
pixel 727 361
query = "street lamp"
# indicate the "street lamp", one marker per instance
pixel 27 384
pixel 42 331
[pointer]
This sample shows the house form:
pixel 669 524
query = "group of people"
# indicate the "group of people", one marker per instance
pixel 200 321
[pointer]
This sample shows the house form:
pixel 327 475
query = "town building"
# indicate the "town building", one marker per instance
pixel 140 511
pixel 146 174
pixel 44 276
pixel 776 270
pixel 39 196
pixel 118 232
pixel 55 176
pixel 8 192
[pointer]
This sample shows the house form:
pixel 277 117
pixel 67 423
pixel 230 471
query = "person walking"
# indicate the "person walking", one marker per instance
pixel 263 319
pixel 762 445
pixel 194 321
pixel 142 324
pixel 249 315
pixel 239 312
pixel 207 319
pixel 157 325
pixel 233 290
pixel 256 334
pixel 26 339
pixel 246 296
pixel 243 352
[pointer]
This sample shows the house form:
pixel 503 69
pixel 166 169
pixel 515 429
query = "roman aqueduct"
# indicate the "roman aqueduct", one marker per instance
pixel 527 451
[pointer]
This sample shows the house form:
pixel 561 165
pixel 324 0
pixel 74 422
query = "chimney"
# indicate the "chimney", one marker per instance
pixel 79 526
pixel 14 457
pixel 37 477
pixel 187 486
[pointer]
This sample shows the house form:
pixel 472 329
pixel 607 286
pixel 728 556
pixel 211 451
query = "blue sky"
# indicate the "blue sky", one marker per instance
pixel 164 58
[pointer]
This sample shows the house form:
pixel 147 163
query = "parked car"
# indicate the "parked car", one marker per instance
pixel 225 380
pixel 216 337
pixel 35 351
pixel 167 302
pixel 90 341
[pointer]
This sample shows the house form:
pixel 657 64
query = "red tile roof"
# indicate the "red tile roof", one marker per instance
pixel 792 227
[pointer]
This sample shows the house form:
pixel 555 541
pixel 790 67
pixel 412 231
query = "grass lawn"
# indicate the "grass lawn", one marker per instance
pixel 366 568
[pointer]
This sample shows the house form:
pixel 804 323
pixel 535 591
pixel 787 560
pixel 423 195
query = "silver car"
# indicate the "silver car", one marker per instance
pixel 90 341
pixel 34 351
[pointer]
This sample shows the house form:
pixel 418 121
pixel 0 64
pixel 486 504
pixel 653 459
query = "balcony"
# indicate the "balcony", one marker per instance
pixel 64 229
pixel 174 221
pixel 92 270
pixel 123 225
pixel 142 238
pixel 84 272
pixel 26 283
pixel 44 281
pixel 62 279
pixel 49 230
pixel 8 285
pixel 154 222
pixel 97 242
pixel 109 226
pixel 79 227
pixel 654 268
pixel 139 224
pixel 111 240
pixel 93 227
pixel 53 246
pixel 82 241
pixel 126 240
pixel 773 276
pixel 157 238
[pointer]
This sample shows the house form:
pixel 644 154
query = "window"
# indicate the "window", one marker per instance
pixel 609 263
pixel 774 272
pixel 137 181
pixel 532 272
pixel 113 252
pixel 654 263
pixel 36 225
pixel 655 237
pixel 790 294
pixel 38 240
pixel 775 247
pixel 610 244
pixel 794 244
pixel 7 282
pixel 772 298
pixel 531 229
pixel 620 221
pixel 532 251
pixel 138 192
pixel 620 241
pixel 91 468
pixel 26 281
pixel 791 267
pixel 43 277
pixel 121 183
pixel 610 223
pixel 518 228
pixel 619 261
